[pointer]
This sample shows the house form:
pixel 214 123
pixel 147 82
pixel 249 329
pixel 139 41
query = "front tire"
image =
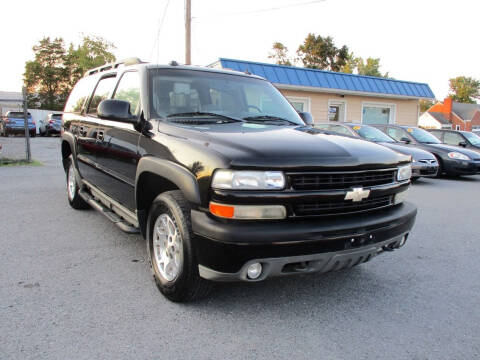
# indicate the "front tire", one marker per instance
pixel 74 198
pixel 170 246
pixel 440 167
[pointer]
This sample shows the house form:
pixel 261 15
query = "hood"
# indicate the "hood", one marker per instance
pixel 249 145
pixel 416 153
pixel 449 148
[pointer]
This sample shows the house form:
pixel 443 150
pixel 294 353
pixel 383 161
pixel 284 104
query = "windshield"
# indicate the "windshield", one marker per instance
pixel 202 94
pixel 372 134
pixel 474 139
pixel 422 136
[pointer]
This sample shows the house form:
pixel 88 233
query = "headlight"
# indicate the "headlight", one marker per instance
pixel 248 180
pixel 458 156
pixel 404 173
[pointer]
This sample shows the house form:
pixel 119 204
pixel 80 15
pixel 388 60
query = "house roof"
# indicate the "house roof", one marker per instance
pixel 465 111
pixel 440 117
pixel 11 96
pixel 320 80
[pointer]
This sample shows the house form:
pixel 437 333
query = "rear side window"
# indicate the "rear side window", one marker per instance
pixel 102 92
pixel 79 95
pixel 397 134
pixel 452 138
pixel 129 90
pixel 437 134
pixel 340 130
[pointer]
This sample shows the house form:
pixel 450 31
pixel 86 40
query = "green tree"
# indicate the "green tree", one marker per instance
pixel 280 54
pixel 425 105
pixel 94 51
pixel 464 89
pixel 319 52
pixel 50 77
pixel 46 77
pixel 370 67
pixel 350 65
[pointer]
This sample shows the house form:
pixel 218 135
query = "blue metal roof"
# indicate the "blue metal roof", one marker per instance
pixel 304 77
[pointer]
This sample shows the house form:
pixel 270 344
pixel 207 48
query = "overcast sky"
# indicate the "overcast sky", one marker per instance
pixel 418 40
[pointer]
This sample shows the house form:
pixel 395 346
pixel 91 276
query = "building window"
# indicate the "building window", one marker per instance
pixel 378 113
pixel 299 103
pixel 457 127
pixel 337 110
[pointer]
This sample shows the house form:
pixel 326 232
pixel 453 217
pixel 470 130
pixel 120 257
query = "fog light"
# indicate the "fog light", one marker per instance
pixel 399 197
pixel 403 241
pixel 254 271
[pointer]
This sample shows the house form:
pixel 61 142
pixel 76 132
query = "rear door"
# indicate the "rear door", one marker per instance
pixel 117 154
pixel 91 144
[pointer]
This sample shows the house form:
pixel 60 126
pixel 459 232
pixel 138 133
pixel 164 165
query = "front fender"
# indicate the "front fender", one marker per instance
pixel 174 173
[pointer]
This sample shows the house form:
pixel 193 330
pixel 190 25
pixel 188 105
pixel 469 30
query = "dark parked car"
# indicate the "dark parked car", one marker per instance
pixel 14 123
pixel 452 160
pixel 464 139
pixel 53 124
pixel 424 163
pixel 224 179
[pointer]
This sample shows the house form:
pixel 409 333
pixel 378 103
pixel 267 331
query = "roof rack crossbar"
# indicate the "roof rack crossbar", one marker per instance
pixel 115 65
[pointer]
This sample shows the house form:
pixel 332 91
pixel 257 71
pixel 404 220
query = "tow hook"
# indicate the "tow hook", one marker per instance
pixel 395 245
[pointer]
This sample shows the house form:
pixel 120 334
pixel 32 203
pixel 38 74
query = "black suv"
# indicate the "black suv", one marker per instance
pixel 224 179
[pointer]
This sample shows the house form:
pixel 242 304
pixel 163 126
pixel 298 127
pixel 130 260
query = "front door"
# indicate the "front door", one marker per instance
pixel 117 155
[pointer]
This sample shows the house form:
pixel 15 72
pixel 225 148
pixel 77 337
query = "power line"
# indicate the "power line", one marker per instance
pixel 160 26
pixel 261 10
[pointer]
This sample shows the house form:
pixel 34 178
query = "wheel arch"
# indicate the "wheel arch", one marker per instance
pixel 155 176
pixel 68 148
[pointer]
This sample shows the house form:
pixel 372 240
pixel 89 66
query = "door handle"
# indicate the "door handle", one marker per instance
pixel 100 136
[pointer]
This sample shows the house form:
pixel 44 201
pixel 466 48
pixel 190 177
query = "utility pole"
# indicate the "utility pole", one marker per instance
pixel 188 31
pixel 27 132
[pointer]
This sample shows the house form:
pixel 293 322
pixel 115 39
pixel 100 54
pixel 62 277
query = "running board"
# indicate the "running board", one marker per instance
pixel 109 214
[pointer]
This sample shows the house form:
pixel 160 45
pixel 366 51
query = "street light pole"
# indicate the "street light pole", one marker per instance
pixel 188 31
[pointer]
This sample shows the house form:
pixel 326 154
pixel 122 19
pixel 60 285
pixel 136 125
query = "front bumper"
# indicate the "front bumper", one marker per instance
pixel 461 167
pixel 227 248
pixel 420 169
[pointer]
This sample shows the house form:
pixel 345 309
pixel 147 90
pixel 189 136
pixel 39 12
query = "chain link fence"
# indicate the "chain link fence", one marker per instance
pixel 14 133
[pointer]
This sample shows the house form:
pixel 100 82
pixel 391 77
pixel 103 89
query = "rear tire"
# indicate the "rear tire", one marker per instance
pixel 170 247
pixel 74 198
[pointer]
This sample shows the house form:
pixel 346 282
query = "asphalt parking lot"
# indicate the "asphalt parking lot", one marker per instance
pixel 73 286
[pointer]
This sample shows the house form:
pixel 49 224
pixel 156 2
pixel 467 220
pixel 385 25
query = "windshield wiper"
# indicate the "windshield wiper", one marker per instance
pixel 270 118
pixel 204 114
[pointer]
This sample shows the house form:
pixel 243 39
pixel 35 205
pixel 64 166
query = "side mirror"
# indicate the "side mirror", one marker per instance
pixel 307 118
pixel 116 110
pixel 462 143
pixel 405 140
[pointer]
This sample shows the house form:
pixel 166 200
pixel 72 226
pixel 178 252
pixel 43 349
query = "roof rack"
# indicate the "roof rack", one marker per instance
pixel 115 65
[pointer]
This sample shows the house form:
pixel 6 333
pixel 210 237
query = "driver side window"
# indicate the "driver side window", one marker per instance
pixel 128 90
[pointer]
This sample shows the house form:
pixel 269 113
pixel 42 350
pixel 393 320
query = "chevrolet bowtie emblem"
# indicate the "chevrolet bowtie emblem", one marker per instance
pixel 357 194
